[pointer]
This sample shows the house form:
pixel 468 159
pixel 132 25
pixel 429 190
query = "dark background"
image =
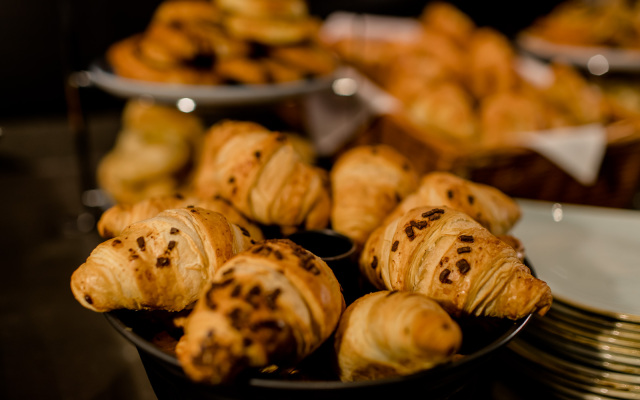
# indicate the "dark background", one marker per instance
pixel 43 41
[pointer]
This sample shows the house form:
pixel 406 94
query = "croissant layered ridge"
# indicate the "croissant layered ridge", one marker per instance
pixel 160 263
pixel 263 176
pixel 489 206
pixel 451 258
pixel 368 182
pixel 119 216
pixel 274 303
pixel 391 333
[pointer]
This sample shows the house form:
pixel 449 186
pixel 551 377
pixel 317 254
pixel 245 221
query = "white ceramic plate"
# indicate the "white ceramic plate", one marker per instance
pixel 213 95
pixel 618 59
pixel 589 256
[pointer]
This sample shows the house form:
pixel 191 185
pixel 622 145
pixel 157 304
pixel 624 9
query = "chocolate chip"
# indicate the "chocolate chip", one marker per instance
pixel 394 247
pixel 374 262
pixel 162 262
pixel 463 266
pixel 409 231
pixel 173 231
pixel 465 249
pixel 444 276
pixel 466 238
pixel 141 243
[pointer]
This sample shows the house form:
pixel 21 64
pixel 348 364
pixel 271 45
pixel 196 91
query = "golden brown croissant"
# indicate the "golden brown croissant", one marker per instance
pixel 159 263
pixel 489 206
pixel 262 175
pixel 118 217
pixel 367 183
pixel 448 256
pixel 390 333
pixel 274 303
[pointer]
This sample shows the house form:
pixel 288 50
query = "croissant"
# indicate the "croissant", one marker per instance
pixel 391 333
pixel 263 176
pixel 119 216
pixel 489 206
pixel 274 303
pixel 367 183
pixel 160 263
pixel 448 256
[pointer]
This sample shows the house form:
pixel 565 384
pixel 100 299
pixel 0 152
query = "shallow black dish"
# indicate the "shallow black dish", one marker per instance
pixel 314 378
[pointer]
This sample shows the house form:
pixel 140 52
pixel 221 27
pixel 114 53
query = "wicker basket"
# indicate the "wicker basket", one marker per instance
pixel 520 172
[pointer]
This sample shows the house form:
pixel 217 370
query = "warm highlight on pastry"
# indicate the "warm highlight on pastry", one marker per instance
pixel 119 216
pixel 391 333
pixel 274 303
pixel 367 183
pixel 490 207
pixel 446 255
pixel 161 263
pixel 263 176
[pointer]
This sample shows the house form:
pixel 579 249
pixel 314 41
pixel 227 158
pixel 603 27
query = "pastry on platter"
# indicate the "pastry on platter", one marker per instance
pixel 391 333
pixel 161 263
pixel 367 183
pixel 446 255
pixel 274 303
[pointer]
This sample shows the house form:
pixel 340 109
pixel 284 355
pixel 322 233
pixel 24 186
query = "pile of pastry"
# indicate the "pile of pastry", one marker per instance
pixel 214 42
pixel 433 247
pixel 464 83
pixel 611 23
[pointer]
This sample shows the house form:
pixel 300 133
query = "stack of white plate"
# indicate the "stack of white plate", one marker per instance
pixel 588 344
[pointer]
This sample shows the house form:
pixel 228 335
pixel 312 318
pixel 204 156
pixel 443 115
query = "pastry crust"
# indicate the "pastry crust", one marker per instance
pixel 289 9
pixel 391 333
pixel 273 32
pixel 367 183
pixel 487 205
pixel 161 263
pixel 274 303
pixel 446 255
pixel 263 176
pixel 115 219
pixel 127 61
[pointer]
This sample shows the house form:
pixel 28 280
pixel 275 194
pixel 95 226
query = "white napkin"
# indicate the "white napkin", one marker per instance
pixel 578 151
pixel 342 24
pixel 334 118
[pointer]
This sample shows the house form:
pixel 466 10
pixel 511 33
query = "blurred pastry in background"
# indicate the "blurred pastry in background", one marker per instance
pixel 224 42
pixel 153 154
pixel 611 23
pixel 462 84
pixel 444 109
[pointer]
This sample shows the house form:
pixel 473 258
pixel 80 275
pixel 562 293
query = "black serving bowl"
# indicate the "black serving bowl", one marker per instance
pixel 154 334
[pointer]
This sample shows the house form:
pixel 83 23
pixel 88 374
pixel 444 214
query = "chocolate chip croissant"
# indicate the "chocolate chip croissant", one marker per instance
pixel 367 183
pixel 492 208
pixel 263 176
pixel 448 256
pixel 274 303
pixel 119 216
pixel 390 333
pixel 160 263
